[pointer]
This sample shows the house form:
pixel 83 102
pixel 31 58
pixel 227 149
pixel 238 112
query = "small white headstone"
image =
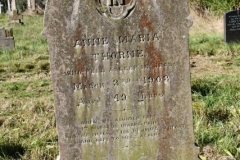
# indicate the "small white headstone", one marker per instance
pixel 1 7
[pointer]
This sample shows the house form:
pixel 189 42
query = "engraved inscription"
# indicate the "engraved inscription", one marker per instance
pixel 115 2
pixel 90 71
pixel 138 38
pixel 124 128
pixel 93 41
pixel 118 55
pixel 234 22
pixel 115 9
pixel 152 81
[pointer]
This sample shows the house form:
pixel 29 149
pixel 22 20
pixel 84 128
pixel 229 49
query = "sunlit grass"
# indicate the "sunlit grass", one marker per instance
pixel 216 112
pixel 26 102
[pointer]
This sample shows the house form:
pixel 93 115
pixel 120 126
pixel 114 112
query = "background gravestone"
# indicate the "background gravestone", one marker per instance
pixel 6 38
pixel 120 72
pixel 232 26
pixel 15 17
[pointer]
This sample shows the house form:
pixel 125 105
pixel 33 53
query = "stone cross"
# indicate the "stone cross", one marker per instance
pixel 121 79
pixel 1 8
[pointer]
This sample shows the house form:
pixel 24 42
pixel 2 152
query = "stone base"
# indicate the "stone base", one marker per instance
pixel 18 21
pixel 7 42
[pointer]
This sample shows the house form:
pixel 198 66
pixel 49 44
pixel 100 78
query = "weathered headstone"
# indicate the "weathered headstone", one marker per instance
pixel 120 72
pixel 232 26
pixel 15 17
pixel 6 38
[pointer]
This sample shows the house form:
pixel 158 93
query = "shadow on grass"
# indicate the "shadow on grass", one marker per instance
pixel 11 151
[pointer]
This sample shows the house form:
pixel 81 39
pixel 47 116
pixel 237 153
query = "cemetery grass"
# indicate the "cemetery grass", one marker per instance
pixel 26 102
pixel 27 122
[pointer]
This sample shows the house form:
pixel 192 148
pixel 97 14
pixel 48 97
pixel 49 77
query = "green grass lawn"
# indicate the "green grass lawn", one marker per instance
pixel 26 102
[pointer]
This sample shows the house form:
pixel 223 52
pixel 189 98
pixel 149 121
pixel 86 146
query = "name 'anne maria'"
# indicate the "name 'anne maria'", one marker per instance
pixel 121 39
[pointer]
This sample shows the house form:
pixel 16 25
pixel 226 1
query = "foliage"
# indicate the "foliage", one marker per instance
pixel 218 7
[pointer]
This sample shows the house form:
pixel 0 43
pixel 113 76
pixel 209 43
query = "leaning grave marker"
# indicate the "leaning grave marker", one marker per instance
pixel 120 72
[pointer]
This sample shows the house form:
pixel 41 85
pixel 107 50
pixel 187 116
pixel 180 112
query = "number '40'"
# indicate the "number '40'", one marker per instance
pixel 120 97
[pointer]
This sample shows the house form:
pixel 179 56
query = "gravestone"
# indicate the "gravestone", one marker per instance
pixel 6 38
pixel 232 26
pixel 15 17
pixel 120 72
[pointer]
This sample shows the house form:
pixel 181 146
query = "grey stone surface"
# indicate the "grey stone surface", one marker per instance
pixel 2 33
pixel 6 38
pixel 120 72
